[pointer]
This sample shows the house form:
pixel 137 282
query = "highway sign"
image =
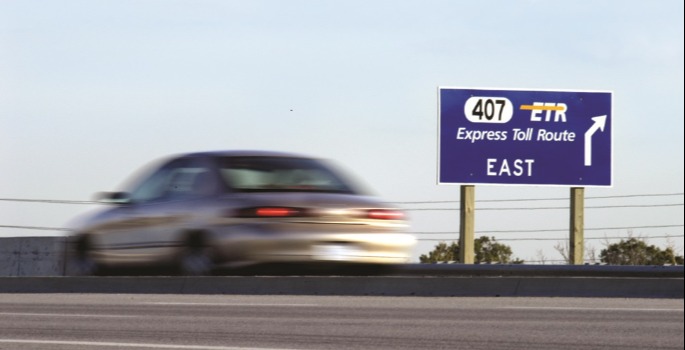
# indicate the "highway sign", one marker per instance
pixel 524 137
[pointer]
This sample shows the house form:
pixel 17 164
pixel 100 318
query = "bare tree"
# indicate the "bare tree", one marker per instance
pixel 590 252
pixel 563 249
pixel 542 259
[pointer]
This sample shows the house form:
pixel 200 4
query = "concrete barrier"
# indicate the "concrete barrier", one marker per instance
pixel 32 256
pixel 650 271
pixel 357 286
pixel 46 256
pixel 36 264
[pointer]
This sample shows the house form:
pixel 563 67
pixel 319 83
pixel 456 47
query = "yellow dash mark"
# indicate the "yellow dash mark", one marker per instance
pixel 542 108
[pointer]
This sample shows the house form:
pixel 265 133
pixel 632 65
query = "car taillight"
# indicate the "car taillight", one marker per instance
pixel 269 212
pixel 385 214
pixel 275 212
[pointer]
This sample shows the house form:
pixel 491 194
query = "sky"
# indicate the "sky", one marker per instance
pixel 90 91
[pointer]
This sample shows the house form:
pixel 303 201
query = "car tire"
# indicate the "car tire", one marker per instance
pixel 195 261
pixel 81 262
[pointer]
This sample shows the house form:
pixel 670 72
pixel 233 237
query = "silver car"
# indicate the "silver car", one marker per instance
pixel 203 210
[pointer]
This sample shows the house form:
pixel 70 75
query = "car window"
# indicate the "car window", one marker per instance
pixel 279 174
pixel 152 188
pixel 179 179
pixel 187 181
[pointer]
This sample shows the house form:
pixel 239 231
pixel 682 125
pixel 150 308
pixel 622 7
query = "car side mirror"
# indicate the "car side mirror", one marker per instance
pixel 120 198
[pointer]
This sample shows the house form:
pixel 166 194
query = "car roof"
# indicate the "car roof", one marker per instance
pixel 243 153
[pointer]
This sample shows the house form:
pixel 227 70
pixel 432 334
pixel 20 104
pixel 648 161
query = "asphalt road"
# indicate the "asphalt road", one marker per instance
pixel 128 321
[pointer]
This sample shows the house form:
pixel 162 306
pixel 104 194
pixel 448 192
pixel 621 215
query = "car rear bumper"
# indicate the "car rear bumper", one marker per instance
pixel 368 248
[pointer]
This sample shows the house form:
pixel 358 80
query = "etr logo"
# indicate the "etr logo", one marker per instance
pixel 537 108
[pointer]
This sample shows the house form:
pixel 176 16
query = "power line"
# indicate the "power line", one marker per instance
pixel 437 239
pixel 552 239
pixel 557 229
pixel 547 199
pixel 51 201
pixel 61 201
pixel 586 238
pixel 555 208
pixel 35 228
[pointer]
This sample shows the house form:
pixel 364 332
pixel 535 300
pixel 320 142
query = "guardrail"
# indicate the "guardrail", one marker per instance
pixel 32 256
pixel 38 265
pixel 356 286
pixel 46 256
pixel 543 270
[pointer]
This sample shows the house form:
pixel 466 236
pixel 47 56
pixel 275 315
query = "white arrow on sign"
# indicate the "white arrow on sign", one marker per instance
pixel 600 122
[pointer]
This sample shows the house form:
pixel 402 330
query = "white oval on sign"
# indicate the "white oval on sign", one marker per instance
pixel 488 109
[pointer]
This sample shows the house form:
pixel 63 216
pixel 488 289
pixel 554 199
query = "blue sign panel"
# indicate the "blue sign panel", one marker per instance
pixel 520 137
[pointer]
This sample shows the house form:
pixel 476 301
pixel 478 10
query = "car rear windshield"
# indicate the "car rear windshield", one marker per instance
pixel 280 174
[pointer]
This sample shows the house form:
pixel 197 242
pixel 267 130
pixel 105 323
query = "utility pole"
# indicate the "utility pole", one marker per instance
pixel 466 224
pixel 576 243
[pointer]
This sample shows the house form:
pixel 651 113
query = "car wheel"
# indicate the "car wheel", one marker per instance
pixel 81 262
pixel 196 261
pixel 84 267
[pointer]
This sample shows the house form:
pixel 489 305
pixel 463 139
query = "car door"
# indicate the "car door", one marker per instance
pixel 150 227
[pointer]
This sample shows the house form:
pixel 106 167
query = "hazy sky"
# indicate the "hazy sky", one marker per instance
pixel 92 90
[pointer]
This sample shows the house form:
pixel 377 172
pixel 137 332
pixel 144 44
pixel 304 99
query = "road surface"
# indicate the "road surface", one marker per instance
pixel 216 322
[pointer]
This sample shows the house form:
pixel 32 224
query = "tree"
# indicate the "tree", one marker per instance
pixel 489 251
pixel 486 250
pixel 565 250
pixel 442 253
pixel 636 252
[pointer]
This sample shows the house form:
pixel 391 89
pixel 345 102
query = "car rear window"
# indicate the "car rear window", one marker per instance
pixel 280 174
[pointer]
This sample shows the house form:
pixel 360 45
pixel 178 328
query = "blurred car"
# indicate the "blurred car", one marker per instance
pixel 203 210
